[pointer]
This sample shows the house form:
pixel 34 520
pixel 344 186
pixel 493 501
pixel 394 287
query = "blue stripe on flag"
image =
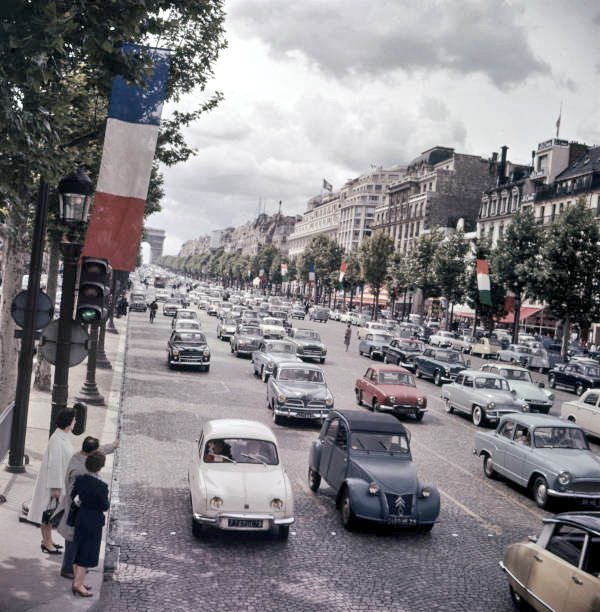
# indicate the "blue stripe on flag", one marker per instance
pixel 136 104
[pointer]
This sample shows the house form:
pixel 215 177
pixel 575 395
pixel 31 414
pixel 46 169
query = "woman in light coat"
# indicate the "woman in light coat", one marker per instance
pixel 50 482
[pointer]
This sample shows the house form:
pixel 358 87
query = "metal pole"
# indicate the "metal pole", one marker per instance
pixel 89 391
pixel 71 251
pixel 102 360
pixel 21 408
pixel 111 328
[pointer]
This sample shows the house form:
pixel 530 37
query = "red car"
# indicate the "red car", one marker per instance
pixel 387 388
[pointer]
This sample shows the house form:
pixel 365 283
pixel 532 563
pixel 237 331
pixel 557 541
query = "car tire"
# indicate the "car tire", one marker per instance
pixel 419 416
pixel 371 355
pixel 579 389
pixel 347 515
pixel 283 532
pixel 425 528
pixel 448 406
pixel 385 359
pixel 375 406
pixel 322 360
pixel 236 353
pixel 418 372
pixel 539 491
pixel 263 374
pixel 359 399
pixel 277 419
pixel 437 378
pixel 196 529
pixel 488 467
pixel 206 368
pixel 552 381
pixel 314 480
pixel 517 600
pixel 231 347
pixel 478 416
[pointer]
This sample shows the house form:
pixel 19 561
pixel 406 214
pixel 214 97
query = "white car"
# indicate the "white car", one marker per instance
pixel 371 327
pixel 272 328
pixel 237 481
pixel 585 411
pixel 442 339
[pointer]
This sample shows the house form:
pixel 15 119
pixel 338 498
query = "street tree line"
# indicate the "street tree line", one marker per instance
pixel 559 266
pixel 57 64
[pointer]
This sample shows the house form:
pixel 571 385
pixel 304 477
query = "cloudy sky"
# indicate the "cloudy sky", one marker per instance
pixel 326 88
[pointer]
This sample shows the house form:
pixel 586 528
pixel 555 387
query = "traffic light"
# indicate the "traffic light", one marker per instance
pixel 94 290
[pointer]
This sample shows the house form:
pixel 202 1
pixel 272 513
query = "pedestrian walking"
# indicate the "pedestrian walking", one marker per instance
pixel 76 468
pixel 92 494
pixel 347 336
pixel 49 485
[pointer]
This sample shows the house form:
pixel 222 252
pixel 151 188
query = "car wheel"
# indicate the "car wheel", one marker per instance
pixel 448 406
pixel 539 491
pixel 478 416
pixel 283 532
pixel 375 406
pixel 419 416
pixel 277 419
pixel 263 374
pixel 579 389
pixel 237 353
pixel 517 600
pixel 231 346
pixel 206 368
pixel 488 467
pixel 348 516
pixel 314 480
pixel 385 359
pixel 418 373
pixel 552 381
pixel 196 529
pixel 425 528
pixel 359 399
pixel 437 378
pixel 371 354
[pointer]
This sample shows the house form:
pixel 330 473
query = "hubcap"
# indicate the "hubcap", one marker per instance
pixel 477 416
pixel 541 492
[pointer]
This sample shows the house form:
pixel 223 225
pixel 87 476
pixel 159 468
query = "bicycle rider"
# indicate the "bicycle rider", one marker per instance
pixel 153 309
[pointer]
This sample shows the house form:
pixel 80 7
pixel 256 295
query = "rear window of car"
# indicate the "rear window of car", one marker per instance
pixel 251 331
pixel 395 378
pixel 280 347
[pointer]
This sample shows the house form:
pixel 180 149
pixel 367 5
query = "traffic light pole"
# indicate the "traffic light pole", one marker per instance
pixel 89 391
pixel 71 251
pixel 102 360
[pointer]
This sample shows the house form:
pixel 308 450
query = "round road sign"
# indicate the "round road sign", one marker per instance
pixel 43 314
pixel 79 343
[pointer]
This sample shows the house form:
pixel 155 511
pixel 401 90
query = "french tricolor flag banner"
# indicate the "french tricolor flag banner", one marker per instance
pixel 134 112
pixel 483 282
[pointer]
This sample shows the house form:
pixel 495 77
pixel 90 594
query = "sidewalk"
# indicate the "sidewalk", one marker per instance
pixel 30 579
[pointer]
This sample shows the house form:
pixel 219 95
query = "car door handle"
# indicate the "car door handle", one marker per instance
pixel 538 558
pixel 576 580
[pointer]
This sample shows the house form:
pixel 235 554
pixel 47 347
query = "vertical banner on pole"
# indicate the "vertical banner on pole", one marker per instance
pixel 134 113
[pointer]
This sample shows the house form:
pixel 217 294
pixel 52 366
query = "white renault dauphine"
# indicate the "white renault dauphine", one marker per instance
pixel 237 480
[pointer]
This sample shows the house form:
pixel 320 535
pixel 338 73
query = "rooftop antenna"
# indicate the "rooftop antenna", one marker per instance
pixel 558 120
pixel 280 208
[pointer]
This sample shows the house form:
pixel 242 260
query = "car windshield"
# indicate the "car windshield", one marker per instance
pixel 371 442
pixel 240 450
pixel 250 331
pixel 559 437
pixel 187 325
pixel 395 378
pixel 381 338
pixel 525 350
pixel 450 357
pixel 410 346
pixel 269 321
pixel 174 302
pixel 280 347
pixel 306 334
pixel 189 338
pixel 497 384
pixel 230 322
pixel 516 374
pixel 301 375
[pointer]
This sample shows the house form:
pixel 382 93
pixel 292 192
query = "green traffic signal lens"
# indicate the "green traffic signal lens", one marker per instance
pixel 89 315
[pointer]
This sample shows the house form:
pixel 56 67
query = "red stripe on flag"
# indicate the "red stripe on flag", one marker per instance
pixel 482 266
pixel 115 230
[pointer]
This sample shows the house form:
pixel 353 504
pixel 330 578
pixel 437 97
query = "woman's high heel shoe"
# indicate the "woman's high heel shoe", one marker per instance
pixel 50 552
pixel 80 593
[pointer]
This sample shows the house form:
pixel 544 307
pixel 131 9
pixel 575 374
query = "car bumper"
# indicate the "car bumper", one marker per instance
pixel 493 416
pixel 312 355
pixel 189 362
pixel 222 521
pixel 399 409
pixel 573 494
pixel 309 414
pixel 138 308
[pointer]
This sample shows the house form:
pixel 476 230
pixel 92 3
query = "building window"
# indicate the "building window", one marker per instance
pixel 542 213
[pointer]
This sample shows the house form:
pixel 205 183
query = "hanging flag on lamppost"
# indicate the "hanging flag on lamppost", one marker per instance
pixel 311 273
pixel 284 269
pixel 343 270
pixel 483 282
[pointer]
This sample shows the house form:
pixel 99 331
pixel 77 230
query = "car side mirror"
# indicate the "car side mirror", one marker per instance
pixel 541 385
pixel 533 539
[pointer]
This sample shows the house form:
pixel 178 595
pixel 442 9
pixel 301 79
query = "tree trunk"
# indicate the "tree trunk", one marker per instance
pixel 566 337
pixel 43 373
pixel 515 335
pixel 375 305
pixel 11 284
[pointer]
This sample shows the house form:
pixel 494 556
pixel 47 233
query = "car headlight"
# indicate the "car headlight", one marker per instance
pixel 329 401
pixel 373 488
pixel 491 405
pixel 551 397
pixel 525 407
pixel 564 478
pixel 420 401
pixel 175 352
pixel 270 365
pixel 216 502
pixel 447 371
pixel 206 352
pixel 392 399
pixel 281 398
pixel 277 503
pixel 425 492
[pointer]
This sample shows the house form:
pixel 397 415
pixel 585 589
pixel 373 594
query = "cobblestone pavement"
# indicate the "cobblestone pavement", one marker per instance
pixel 161 566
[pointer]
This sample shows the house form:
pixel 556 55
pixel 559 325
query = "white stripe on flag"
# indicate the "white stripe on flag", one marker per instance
pixel 127 158
pixel 483 282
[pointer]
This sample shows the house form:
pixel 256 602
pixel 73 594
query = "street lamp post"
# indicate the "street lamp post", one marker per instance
pixel 75 196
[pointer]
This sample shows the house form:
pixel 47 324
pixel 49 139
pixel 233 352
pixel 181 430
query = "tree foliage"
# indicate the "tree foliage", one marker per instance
pixel 449 264
pixel 374 256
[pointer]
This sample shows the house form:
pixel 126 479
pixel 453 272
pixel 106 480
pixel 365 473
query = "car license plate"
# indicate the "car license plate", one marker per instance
pixel 591 501
pixel 302 414
pixel 245 523
pixel 400 520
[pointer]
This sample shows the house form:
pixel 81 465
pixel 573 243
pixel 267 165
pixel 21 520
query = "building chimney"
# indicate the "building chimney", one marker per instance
pixel 493 163
pixel 502 166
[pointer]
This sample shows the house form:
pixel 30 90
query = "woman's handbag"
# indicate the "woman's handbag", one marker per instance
pixel 49 511
pixel 72 516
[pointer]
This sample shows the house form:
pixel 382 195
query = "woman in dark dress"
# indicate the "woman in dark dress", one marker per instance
pixel 93 497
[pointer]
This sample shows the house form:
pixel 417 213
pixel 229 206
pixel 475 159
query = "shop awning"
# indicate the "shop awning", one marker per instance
pixel 526 312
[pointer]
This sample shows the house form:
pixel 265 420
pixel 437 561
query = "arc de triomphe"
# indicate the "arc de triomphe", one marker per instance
pixel 155 238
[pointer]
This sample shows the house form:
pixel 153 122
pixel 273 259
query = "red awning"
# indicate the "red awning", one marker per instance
pixel 526 312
